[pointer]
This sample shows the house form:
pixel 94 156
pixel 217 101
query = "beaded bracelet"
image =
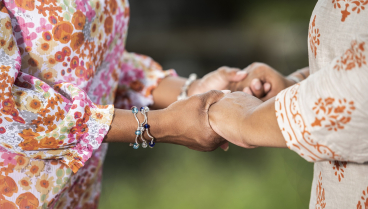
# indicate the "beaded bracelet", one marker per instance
pixel 141 128
pixel 184 89
pixel 146 126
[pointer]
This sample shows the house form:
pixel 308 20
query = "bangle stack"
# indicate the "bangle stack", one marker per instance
pixel 142 127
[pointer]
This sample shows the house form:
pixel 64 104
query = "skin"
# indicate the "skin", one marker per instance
pixel 184 122
pixel 238 117
pixel 264 82
pixel 247 121
pixel 242 120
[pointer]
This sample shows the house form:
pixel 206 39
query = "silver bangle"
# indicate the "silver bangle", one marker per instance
pixel 146 126
pixel 140 130
pixel 184 89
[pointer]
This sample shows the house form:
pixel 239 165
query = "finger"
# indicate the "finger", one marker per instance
pixel 212 97
pixel 248 91
pixel 225 146
pixel 267 87
pixel 233 74
pixel 257 88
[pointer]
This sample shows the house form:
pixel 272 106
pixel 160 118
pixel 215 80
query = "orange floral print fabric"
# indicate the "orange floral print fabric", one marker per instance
pixel 63 65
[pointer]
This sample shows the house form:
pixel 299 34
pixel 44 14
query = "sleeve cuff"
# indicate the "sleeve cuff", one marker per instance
pixel 295 129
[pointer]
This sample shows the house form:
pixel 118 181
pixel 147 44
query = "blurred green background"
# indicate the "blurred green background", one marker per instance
pixel 200 36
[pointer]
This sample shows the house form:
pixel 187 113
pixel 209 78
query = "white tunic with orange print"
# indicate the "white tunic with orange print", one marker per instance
pixel 325 118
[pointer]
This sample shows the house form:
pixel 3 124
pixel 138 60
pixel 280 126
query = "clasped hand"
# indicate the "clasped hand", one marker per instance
pixel 209 120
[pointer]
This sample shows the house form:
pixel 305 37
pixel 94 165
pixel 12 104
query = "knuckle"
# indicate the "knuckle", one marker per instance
pixel 223 69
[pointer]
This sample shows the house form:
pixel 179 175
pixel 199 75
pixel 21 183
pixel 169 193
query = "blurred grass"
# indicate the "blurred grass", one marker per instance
pixel 176 177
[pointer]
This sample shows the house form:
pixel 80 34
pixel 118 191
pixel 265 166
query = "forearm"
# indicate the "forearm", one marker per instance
pixel 167 92
pixel 246 121
pixel 260 128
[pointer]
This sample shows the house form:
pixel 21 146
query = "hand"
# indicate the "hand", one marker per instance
pixel 187 124
pixel 246 121
pixel 217 80
pixel 262 82
pixel 228 115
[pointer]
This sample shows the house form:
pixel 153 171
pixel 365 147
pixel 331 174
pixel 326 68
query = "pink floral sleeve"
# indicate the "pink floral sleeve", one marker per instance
pixel 140 76
pixel 42 121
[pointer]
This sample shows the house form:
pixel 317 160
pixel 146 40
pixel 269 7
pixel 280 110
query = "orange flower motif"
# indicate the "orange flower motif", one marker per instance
pixel 25 183
pixel 28 134
pixel 60 114
pixel 59 98
pixel 7 204
pixel 49 143
pixel 34 104
pixel 339 169
pixel 29 144
pixel 7 170
pixel 4 68
pixel 108 25
pixel 62 32
pixel 3 76
pixel 3 86
pixel 27 200
pixel 35 168
pixel 333 113
pixel 22 162
pixel 352 58
pixel 49 120
pixel 26 4
pixel 37 121
pixel 51 103
pixel 313 36
pixel 77 40
pixel 78 20
pixel 44 184
pixel 7 186
pixel 43 112
pixel 113 6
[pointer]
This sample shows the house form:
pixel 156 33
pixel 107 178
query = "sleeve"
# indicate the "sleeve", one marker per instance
pixel 325 116
pixel 44 122
pixel 139 77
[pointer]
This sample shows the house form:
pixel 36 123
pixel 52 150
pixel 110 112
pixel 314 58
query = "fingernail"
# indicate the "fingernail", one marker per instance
pixel 226 149
pixel 267 87
pixel 241 73
pixel 247 90
pixel 226 91
pixel 257 84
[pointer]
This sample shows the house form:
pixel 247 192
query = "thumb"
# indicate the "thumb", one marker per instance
pixel 233 74
pixel 213 96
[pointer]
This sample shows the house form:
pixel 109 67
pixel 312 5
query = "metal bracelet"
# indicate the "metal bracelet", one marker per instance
pixel 184 89
pixel 146 126
pixel 140 130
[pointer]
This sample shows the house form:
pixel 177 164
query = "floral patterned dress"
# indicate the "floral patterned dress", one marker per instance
pixel 62 67
pixel 325 118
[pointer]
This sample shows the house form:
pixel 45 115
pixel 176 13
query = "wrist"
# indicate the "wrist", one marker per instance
pixel 158 124
pixel 193 88
pixel 289 80
pixel 263 128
